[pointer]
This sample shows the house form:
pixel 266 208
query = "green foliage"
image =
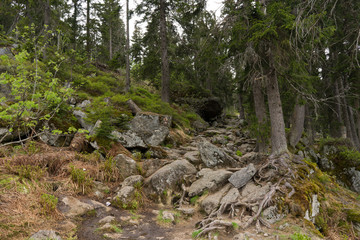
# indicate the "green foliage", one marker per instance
pixel 239 153
pixel 36 95
pixel 110 170
pixel 48 203
pixel 299 236
pixel 80 177
pixel 194 199
pixel 196 233
pixel 235 225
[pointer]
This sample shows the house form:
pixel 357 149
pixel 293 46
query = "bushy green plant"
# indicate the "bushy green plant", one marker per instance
pixel 48 203
pixel 83 181
pixel 299 236
pixel 35 95
pixel 239 153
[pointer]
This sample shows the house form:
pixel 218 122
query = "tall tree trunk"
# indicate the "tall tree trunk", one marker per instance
pixel 353 129
pixel 241 106
pixel 309 126
pixel 46 23
pixel 339 114
pixel 346 113
pixel 127 86
pixel 165 72
pixel 88 2
pixel 74 23
pixel 278 137
pixel 260 111
pixel 297 123
pixel 357 108
pixel 110 42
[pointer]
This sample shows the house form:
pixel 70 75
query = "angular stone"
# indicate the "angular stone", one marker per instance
pixel 45 235
pixel 193 157
pixel 253 193
pixel 132 180
pixel 107 219
pixel 125 195
pixel 231 197
pixel 271 215
pixel 72 207
pixel 129 139
pixel 212 180
pixel 213 200
pixel 152 128
pixel 81 116
pixel 212 156
pixel 354 179
pixel 241 177
pixel 169 176
pixel 126 165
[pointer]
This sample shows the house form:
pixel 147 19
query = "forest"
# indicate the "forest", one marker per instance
pixel 239 124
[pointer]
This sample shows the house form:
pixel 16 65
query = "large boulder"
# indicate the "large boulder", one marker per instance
pixel 126 165
pixel 5 135
pixel 145 129
pixel 72 207
pixel 213 156
pixel 212 201
pixel 354 179
pixel 168 177
pixel 129 139
pixel 81 116
pixel 241 177
pixel 253 193
pixel 152 128
pixel 211 181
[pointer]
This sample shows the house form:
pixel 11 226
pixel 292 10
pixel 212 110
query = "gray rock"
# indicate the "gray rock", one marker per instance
pixel 125 195
pixel 354 179
pixel 193 157
pixel 212 180
pixel 84 104
pixel 56 140
pixel 212 156
pixel 132 180
pixel 72 207
pixel 325 164
pixel 253 193
pixel 126 165
pixel 6 51
pixel 45 235
pixel 95 128
pixel 5 135
pixel 129 139
pixel 199 125
pixel 150 166
pixel 241 177
pixel 187 211
pixel 231 197
pixel 107 219
pixel 81 116
pixel 166 215
pixel 169 176
pixel 100 188
pixel 212 201
pixel 251 157
pixel 271 215
pixel 152 128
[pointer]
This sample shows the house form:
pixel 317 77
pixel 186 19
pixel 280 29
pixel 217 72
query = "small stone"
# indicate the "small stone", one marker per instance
pixel 187 211
pixel 166 215
pixel 45 234
pixel 107 219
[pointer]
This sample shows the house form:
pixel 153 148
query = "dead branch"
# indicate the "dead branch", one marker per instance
pixel 133 107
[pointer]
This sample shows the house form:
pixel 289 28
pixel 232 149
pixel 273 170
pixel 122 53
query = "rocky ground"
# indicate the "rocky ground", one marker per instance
pixel 209 186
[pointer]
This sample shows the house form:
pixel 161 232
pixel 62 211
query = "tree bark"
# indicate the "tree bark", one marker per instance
pixel 47 17
pixel 278 137
pixel 241 107
pixel 297 123
pixel 127 86
pixel 110 42
pixel 346 113
pixel 339 114
pixel 88 2
pixel 260 112
pixel 357 108
pixel 353 129
pixel 165 72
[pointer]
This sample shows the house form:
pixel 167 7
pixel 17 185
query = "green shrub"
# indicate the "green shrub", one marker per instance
pixel 239 153
pixel 299 236
pixel 48 203
pixel 80 177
